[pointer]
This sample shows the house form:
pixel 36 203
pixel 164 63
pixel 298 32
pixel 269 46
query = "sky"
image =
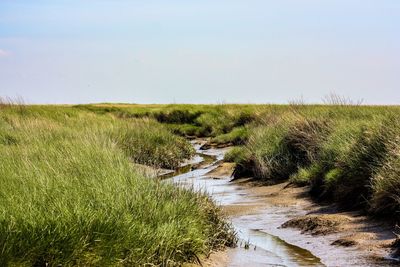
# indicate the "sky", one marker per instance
pixel 205 51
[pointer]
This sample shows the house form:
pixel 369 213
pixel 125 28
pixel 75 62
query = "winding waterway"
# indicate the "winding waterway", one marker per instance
pixel 262 242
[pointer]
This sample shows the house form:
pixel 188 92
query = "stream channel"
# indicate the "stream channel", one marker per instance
pixel 262 242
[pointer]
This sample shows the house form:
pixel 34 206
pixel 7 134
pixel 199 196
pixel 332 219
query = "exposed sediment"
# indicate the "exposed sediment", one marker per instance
pixel 283 216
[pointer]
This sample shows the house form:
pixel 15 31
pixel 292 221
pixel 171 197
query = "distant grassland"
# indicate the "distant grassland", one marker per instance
pixel 349 154
pixel 70 195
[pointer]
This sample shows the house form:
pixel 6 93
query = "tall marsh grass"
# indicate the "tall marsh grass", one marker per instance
pixel 346 152
pixel 386 183
pixel 70 196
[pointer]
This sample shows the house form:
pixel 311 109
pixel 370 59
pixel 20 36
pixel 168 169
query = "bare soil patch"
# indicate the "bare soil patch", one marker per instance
pixel 223 171
pixel 237 210
pixel 318 224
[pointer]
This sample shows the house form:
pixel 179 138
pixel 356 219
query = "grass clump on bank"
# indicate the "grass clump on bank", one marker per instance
pixel 386 183
pixel 350 180
pixel 348 155
pixel 235 154
pixel 147 142
pixel 69 194
pixel 237 136
pixel 280 149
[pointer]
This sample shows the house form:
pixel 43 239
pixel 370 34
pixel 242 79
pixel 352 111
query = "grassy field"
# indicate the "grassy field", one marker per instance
pixel 71 196
pixel 348 154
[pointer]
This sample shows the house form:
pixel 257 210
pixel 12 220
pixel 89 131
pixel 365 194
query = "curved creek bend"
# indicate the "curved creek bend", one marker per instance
pixel 262 240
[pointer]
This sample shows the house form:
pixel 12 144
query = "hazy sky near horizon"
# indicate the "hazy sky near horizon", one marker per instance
pixel 154 51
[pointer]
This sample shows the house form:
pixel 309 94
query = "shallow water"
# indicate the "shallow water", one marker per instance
pixel 261 240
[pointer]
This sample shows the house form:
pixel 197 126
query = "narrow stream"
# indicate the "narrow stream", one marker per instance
pixel 261 241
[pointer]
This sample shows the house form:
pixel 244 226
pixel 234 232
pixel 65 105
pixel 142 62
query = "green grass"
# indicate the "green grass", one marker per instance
pixel 69 194
pixel 237 136
pixel 386 183
pixel 147 142
pixel 235 154
pixel 186 120
pixel 348 154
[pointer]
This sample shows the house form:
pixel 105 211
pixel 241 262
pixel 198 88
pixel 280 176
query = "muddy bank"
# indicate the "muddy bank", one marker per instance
pixel 279 225
pixel 338 238
pixel 372 238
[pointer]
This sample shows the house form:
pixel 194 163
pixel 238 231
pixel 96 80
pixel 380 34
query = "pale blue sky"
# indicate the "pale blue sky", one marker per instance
pixel 154 51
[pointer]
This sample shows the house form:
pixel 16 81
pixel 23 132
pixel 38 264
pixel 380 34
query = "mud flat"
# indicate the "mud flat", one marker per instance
pixel 279 225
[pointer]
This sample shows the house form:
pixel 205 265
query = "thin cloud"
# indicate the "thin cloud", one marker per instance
pixel 4 53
